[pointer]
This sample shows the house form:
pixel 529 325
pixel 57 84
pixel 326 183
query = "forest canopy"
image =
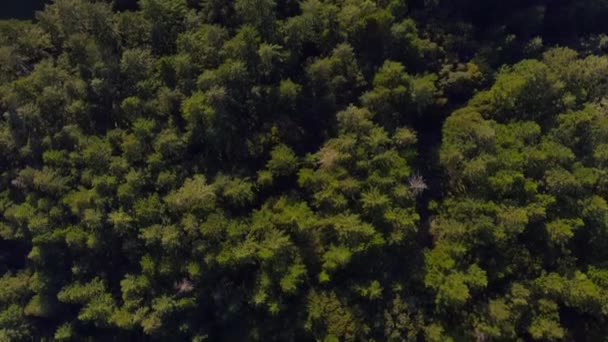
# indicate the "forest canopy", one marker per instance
pixel 305 170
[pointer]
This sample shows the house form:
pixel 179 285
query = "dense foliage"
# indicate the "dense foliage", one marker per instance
pixel 305 170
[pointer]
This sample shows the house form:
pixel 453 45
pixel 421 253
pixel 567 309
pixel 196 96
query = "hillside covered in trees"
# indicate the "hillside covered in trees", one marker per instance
pixel 305 170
